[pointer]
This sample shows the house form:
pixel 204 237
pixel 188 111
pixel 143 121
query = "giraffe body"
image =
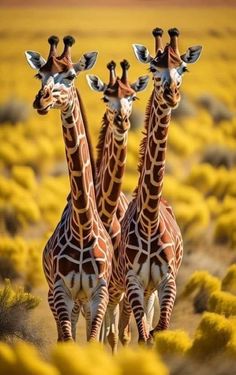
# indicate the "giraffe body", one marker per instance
pixel 77 257
pixel 151 246
pixel 119 95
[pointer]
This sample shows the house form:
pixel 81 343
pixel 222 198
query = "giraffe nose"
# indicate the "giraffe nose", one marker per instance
pixel 42 98
pixel 119 118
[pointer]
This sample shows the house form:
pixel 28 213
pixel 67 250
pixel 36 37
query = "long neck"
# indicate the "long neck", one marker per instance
pixel 111 160
pixel 152 166
pixel 79 167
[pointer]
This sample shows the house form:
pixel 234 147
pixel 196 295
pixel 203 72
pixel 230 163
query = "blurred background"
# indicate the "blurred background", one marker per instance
pixel 200 179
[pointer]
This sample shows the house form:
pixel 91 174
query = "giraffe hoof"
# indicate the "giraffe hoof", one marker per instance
pixel 150 341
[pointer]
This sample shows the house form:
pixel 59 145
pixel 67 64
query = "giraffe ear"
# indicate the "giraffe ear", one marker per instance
pixel 140 84
pixel 35 60
pixel 142 53
pixel 95 83
pixel 192 54
pixel 86 61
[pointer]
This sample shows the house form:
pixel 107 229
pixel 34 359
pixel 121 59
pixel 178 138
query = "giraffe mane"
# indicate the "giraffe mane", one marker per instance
pixel 101 140
pixel 143 143
pixel 85 122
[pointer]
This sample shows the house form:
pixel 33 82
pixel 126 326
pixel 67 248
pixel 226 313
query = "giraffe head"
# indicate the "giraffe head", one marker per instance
pixel 168 66
pixel 118 94
pixel 57 74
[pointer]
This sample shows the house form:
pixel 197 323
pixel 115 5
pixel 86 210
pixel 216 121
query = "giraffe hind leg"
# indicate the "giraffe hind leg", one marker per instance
pixel 99 301
pixel 167 294
pixel 74 318
pixel 135 294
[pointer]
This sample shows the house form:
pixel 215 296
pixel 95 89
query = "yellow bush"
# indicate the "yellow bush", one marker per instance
pixel 14 251
pixel 231 346
pixel 7 360
pixel 225 229
pixel 193 220
pixel 140 362
pixel 202 280
pixel 180 142
pixel 229 280
pixel 24 176
pixel 223 303
pixel 90 360
pixel 26 210
pixel 28 362
pixel 20 258
pixel 172 342
pixel 203 177
pixel 214 206
pixel 212 336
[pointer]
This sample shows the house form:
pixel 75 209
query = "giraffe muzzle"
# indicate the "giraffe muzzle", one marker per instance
pixel 43 102
pixel 171 96
pixel 122 122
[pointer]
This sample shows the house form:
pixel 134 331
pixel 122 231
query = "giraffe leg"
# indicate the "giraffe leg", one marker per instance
pixel 125 322
pixel 99 301
pixel 104 329
pixel 63 306
pixel 135 294
pixel 167 294
pixel 87 315
pixel 74 318
pixel 113 323
pixel 53 310
pixel 156 307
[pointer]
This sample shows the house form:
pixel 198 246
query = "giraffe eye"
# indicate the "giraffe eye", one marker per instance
pixel 71 77
pixel 185 69
pixel 105 100
pixel 38 76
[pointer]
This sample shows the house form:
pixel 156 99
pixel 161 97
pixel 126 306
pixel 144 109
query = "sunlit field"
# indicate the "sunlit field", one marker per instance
pixel 200 180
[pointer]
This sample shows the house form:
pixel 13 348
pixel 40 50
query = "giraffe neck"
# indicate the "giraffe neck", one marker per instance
pixel 152 166
pixel 111 160
pixel 79 167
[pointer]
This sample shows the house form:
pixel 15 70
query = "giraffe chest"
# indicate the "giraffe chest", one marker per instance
pixel 149 258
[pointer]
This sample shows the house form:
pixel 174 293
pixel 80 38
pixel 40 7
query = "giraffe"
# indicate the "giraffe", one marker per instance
pixel 151 247
pixel 118 96
pixel 77 257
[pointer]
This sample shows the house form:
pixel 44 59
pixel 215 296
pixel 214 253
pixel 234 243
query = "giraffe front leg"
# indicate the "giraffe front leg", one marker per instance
pixel 63 305
pixel 112 317
pixel 167 294
pixel 113 322
pixel 74 318
pixel 135 294
pixel 125 322
pixel 53 310
pixel 99 301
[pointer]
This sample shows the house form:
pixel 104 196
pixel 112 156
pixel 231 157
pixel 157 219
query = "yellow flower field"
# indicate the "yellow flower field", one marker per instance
pixel 200 173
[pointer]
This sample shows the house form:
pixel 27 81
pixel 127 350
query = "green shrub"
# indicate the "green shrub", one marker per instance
pixel 14 313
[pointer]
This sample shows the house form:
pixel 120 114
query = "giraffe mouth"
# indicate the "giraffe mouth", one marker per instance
pixel 45 110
